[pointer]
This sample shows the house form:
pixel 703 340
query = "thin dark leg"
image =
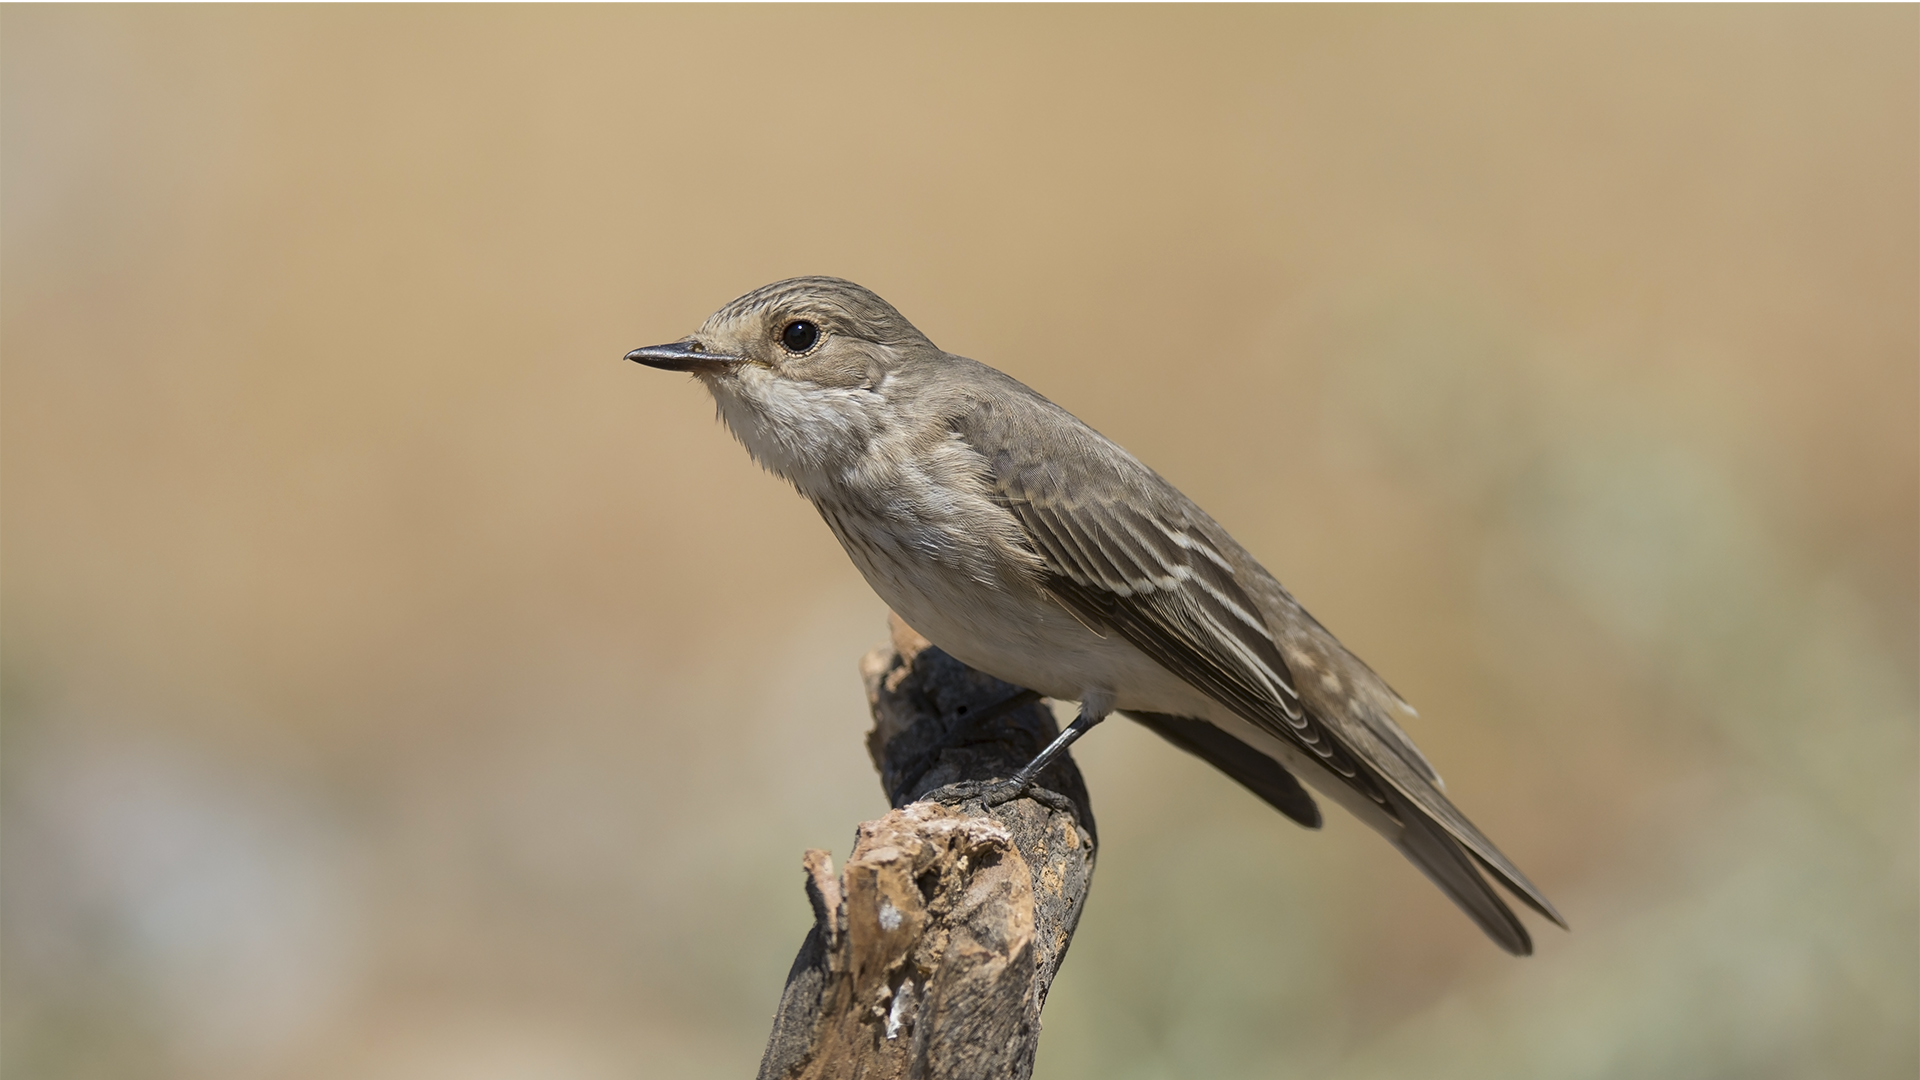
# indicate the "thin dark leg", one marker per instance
pixel 1082 724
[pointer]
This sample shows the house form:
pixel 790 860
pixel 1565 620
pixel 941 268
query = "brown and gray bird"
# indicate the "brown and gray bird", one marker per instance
pixel 1031 547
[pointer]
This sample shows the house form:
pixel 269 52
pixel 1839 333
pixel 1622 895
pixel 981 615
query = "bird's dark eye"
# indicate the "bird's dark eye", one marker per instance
pixel 799 336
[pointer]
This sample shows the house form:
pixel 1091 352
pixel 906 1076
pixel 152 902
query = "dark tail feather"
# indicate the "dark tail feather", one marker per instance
pixel 1532 900
pixel 1254 770
pixel 1425 842
pixel 1447 864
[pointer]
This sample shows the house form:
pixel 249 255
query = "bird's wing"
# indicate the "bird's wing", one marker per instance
pixel 1366 696
pixel 1127 553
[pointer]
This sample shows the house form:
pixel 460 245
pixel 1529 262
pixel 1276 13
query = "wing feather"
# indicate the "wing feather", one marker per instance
pixel 1126 553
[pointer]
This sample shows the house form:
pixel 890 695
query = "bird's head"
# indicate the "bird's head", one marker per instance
pixel 799 369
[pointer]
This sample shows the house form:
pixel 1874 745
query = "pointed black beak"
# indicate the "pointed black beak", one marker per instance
pixel 686 355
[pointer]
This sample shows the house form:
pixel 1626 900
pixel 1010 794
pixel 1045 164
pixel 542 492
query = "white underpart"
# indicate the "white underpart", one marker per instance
pixel 792 429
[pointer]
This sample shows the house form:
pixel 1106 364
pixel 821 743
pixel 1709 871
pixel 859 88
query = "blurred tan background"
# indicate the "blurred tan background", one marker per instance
pixel 398 683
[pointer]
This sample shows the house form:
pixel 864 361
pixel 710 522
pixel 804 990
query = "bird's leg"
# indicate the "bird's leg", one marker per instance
pixel 1091 713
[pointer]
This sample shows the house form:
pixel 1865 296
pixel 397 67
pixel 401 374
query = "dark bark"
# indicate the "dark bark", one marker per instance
pixel 931 955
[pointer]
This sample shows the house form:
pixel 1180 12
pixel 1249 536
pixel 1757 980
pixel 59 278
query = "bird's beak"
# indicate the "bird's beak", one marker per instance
pixel 686 355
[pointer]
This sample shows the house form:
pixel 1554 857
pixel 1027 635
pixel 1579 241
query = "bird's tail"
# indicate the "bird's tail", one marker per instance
pixel 1446 863
pixel 1423 835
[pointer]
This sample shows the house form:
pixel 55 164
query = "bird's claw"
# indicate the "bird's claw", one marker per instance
pixel 1000 792
pixel 989 793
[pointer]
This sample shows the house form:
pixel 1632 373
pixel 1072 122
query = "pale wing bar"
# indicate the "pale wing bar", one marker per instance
pixel 1121 551
pixel 1174 598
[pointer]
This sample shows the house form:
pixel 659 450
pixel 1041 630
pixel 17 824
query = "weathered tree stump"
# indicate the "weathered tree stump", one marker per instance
pixel 931 955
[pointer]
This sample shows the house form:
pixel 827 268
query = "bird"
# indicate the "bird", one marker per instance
pixel 1031 547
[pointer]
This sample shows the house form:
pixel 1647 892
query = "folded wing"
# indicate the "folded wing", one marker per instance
pixel 1127 554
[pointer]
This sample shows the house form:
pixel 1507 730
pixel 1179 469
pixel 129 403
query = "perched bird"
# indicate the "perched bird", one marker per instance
pixel 1028 545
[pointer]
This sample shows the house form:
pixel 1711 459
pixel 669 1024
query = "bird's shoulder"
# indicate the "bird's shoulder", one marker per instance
pixel 1041 451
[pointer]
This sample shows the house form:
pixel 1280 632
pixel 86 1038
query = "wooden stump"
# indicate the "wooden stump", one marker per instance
pixel 932 953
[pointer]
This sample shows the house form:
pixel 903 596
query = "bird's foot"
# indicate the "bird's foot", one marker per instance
pixel 1001 792
pixel 988 793
pixel 993 794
